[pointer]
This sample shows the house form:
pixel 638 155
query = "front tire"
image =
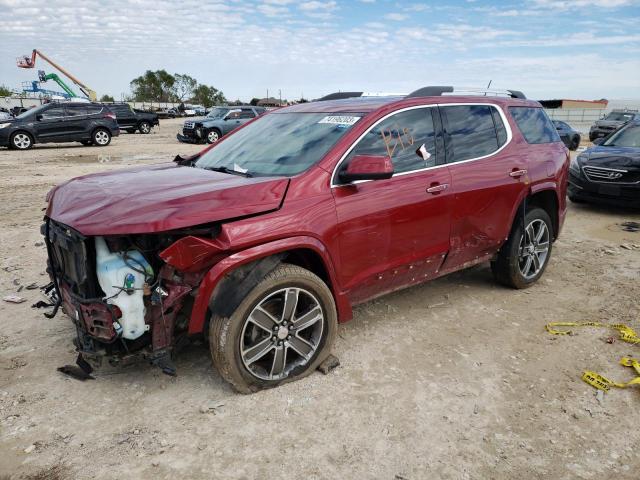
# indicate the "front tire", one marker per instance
pixel 144 127
pixel 101 137
pixel 213 136
pixel 525 255
pixel 281 331
pixel 21 141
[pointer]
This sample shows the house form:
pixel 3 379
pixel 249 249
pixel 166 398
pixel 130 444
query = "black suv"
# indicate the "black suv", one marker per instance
pixel 131 120
pixel 612 122
pixel 87 123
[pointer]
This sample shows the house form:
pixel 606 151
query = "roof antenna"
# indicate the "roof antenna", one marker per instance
pixel 485 93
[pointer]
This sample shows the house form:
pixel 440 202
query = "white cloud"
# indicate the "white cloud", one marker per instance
pixel 397 17
pixel 567 4
pixel 244 48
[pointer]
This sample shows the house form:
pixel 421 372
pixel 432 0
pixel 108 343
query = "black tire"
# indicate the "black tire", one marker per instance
pixel 21 141
pixel 131 130
pixel 575 143
pixel 213 136
pixel 101 137
pixel 575 199
pixel 227 335
pixel 144 127
pixel 507 268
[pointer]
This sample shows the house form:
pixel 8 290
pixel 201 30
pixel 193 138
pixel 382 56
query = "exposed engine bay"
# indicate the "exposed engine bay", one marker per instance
pixel 126 302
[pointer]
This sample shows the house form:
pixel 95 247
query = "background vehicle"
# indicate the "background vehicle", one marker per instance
pixel 266 240
pixel 88 123
pixel 4 115
pixel 569 136
pixel 613 121
pixel 167 113
pixel 131 120
pixel 609 172
pixel 219 122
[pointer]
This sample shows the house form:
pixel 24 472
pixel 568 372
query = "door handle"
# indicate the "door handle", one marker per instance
pixel 435 189
pixel 518 173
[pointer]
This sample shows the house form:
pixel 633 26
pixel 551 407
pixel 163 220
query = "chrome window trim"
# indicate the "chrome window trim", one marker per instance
pixel 505 122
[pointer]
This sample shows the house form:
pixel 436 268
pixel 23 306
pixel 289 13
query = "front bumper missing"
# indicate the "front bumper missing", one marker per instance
pixel 185 139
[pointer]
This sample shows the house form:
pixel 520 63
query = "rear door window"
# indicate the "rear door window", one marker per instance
pixel 534 125
pixel 407 137
pixel 75 111
pixel 53 113
pixel 247 114
pixel 472 131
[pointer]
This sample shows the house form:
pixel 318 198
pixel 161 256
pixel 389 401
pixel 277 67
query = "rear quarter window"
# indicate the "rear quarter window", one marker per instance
pixel 534 125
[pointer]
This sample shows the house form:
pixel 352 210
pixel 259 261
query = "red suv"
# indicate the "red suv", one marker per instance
pixel 264 241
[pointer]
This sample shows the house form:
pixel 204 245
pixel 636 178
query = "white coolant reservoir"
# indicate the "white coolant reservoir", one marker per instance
pixel 115 274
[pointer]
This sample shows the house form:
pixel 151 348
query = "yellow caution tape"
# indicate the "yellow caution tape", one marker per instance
pixel 626 334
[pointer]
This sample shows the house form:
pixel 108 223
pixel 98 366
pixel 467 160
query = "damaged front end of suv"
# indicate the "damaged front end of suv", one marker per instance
pixel 127 270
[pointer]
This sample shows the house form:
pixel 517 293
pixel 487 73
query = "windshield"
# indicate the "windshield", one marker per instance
pixel 619 116
pixel 217 113
pixel 31 111
pixel 279 143
pixel 628 136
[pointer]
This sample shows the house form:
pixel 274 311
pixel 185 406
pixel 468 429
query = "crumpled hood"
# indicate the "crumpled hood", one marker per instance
pixel 159 198
pixel 609 123
pixel 612 157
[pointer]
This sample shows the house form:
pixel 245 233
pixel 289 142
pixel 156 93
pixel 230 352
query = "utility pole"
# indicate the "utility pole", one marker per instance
pixel 280 94
pixel 267 94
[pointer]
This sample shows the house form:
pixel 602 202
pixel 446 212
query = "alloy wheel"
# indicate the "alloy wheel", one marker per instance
pixel 22 141
pixel 145 127
pixel 534 249
pixel 212 136
pixel 101 137
pixel 282 332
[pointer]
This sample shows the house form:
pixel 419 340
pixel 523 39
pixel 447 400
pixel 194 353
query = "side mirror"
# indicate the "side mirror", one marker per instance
pixel 598 141
pixel 367 167
pixel 38 117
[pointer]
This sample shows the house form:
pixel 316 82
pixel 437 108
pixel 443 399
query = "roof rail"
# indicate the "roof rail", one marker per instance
pixel 339 96
pixel 433 91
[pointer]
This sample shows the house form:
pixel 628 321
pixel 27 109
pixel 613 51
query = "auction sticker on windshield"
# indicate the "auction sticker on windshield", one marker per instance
pixel 340 120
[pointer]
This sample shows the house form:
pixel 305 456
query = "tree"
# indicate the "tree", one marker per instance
pixel 153 86
pixel 207 96
pixel 183 86
pixel 254 101
pixel 5 91
pixel 107 98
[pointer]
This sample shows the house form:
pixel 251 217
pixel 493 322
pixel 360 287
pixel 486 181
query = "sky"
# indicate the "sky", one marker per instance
pixel 586 49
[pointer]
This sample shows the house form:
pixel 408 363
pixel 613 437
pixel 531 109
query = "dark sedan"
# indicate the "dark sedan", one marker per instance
pixel 609 172
pixel 569 136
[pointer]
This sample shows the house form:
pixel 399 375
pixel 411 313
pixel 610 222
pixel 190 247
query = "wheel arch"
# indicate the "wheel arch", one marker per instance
pixel 547 200
pixel 233 277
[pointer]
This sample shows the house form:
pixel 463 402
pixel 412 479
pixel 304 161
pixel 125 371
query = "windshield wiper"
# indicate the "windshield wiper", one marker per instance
pixel 229 170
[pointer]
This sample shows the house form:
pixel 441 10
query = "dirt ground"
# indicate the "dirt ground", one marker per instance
pixel 454 379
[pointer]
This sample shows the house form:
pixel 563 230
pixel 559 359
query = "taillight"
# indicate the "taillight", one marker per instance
pixel 110 115
pixel 116 311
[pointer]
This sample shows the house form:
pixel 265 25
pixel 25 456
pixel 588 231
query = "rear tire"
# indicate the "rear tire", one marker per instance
pixel 144 127
pixel 575 143
pixel 101 137
pixel 21 141
pixel 523 258
pixel 254 350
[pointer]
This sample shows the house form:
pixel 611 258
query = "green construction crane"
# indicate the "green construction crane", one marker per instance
pixel 56 78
